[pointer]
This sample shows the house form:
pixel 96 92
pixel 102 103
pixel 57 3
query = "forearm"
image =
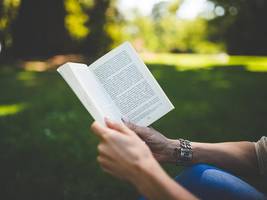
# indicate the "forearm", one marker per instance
pixel 155 184
pixel 239 157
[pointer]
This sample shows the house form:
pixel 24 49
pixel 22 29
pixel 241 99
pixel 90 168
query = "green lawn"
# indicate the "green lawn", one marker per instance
pixel 47 151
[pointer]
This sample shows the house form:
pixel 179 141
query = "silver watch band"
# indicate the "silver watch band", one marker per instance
pixel 184 152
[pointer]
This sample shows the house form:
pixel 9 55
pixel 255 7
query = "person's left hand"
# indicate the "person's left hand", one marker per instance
pixel 121 152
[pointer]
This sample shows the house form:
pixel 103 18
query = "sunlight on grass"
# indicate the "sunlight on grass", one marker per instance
pixel 11 109
pixel 186 61
pixel 38 66
pixel 253 63
pixel 202 61
pixel 26 76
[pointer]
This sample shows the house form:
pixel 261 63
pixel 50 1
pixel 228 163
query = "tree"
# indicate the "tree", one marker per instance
pixel 39 29
pixel 98 40
pixel 242 27
pixel 1 29
pixel 8 11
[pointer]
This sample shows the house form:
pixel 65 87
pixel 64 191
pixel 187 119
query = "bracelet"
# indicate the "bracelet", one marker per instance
pixel 184 153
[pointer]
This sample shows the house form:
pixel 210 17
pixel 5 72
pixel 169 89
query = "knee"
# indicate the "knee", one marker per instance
pixel 194 172
pixel 198 169
pixel 207 181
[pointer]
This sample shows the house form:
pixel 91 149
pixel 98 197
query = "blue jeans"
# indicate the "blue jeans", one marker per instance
pixel 208 182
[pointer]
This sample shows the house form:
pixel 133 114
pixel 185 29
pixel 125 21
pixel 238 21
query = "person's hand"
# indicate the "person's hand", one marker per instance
pixel 124 155
pixel 121 152
pixel 162 148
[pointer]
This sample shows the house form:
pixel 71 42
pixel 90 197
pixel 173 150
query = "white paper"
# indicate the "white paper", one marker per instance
pixel 119 85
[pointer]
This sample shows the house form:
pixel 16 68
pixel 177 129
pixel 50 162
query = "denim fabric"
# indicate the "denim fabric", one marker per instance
pixel 209 183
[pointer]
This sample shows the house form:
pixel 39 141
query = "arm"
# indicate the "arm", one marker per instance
pixel 124 155
pixel 238 157
pixel 154 183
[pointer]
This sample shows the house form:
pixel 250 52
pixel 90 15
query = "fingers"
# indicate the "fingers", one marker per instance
pixel 129 124
pixel 107 166
pixel 100 130
pixel 104 151
pixel 139 130
pixel 117 126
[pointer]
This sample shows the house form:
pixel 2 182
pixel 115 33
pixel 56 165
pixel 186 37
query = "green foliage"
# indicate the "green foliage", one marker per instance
pixel 164 32
pixel 38 28
pixel 7 12
pixel 76 19
pixel 172 34
pixel 114 26
pixel 98 40
pixel 11 109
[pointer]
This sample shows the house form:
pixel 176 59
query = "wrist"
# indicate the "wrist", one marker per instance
pixel 149 180
pixel 181 152
pixel 144 172
pixel 171 150
pixel 201 152
pixel 154 183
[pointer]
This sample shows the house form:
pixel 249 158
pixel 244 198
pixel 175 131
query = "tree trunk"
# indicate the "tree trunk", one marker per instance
pixel 97 41
pixel 39 30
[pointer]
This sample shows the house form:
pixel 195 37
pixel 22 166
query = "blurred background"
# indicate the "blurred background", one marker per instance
pixel 209 56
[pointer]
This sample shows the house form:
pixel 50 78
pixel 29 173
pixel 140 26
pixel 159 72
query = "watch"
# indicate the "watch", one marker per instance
pixel 184 153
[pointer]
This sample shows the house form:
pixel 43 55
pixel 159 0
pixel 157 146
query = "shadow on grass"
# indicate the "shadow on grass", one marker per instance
pixel 47 151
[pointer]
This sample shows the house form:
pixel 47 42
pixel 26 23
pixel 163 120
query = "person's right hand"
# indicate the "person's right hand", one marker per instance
pixel 162 148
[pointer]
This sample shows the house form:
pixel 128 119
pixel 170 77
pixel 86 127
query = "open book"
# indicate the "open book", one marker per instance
pixel 118 85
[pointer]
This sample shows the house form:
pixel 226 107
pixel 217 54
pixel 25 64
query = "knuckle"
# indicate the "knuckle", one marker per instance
pixel 93 125
pixel 119 125
pixel 100 147
pixel 105 169
pixel 150 128
pixel 99 159
pixel 145 128
pixel 134 126
pixel 129 131
pixel 109 136
pixel 106 136
pixel 130 125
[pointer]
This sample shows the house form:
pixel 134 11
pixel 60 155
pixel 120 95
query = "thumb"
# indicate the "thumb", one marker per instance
pixel 99 130
pixel 141 131
pixel 122 128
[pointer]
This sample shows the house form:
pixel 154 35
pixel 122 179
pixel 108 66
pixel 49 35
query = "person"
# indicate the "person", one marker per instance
pixel 132 153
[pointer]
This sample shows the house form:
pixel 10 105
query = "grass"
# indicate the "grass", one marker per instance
pixel 48 152
pixel 205 61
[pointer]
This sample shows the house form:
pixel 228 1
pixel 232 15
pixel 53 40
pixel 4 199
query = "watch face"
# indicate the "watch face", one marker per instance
pixel 186 153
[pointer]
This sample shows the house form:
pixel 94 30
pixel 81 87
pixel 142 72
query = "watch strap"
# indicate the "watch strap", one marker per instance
pixel 184 152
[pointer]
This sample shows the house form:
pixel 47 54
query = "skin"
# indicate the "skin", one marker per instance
pixel 124 155
pixel 130 152
pixel 237 157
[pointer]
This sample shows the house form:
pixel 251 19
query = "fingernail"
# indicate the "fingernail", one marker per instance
pixel 106 119
pixel 125 120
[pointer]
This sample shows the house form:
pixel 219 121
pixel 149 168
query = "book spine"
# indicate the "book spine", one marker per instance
pixel 85 98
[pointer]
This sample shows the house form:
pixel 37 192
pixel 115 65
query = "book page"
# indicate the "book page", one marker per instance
pixel 83 83
pixel 130 86
pixel 97 96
